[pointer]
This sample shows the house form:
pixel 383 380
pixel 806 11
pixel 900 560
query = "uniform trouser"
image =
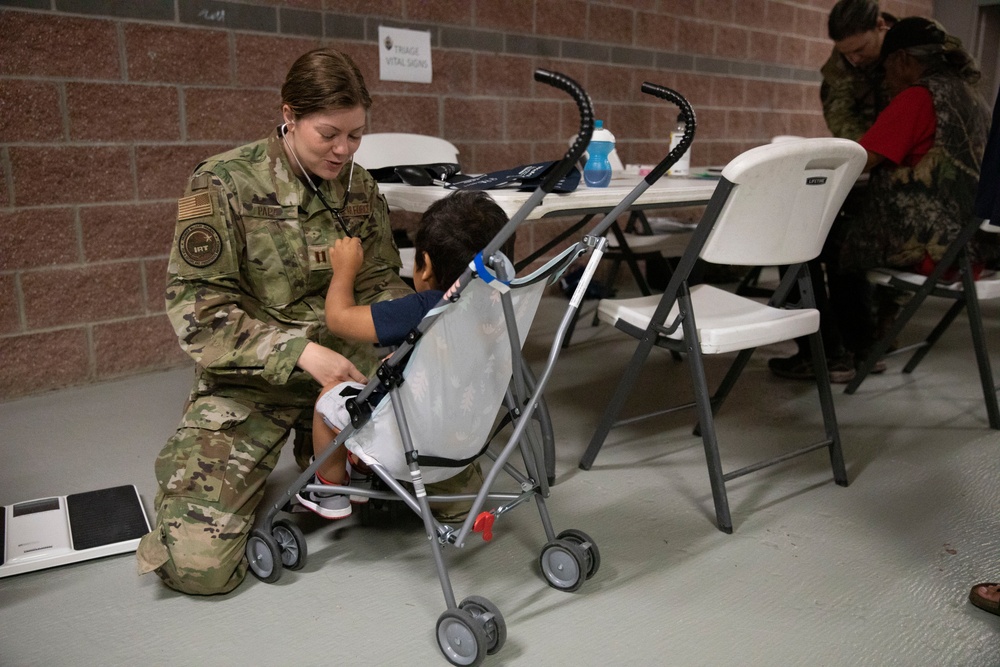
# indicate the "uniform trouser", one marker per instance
pixel 211 477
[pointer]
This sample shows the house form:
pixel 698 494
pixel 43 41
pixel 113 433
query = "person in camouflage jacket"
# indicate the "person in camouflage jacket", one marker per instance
pixel 853 88
pixel 247 278
pixel 915 202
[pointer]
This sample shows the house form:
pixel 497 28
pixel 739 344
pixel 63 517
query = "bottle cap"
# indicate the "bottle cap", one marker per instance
pixel 602 133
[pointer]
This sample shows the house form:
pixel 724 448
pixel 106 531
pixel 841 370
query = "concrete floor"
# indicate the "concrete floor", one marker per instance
pixel 815 574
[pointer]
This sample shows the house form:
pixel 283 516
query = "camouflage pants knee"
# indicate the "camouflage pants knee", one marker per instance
pixel 211 477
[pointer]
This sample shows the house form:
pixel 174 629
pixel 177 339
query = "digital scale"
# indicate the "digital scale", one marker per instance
pixel 48 532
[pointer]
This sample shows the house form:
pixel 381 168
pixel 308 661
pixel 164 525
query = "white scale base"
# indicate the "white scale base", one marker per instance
pixel 48 532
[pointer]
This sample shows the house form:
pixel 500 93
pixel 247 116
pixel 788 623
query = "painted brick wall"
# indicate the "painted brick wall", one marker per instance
pixel 105 107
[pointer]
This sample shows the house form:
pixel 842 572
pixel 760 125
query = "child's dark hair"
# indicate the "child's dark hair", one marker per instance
pixel 453 230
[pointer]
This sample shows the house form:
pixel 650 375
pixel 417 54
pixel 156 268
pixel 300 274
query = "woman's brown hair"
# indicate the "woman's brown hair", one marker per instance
pixel 324 79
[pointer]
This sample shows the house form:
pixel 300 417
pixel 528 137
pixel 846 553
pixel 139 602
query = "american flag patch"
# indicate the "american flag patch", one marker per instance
pixel 195 206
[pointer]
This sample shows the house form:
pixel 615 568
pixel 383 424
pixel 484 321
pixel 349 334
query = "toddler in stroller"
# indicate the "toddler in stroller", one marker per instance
pixel 433 410
pixel 451 231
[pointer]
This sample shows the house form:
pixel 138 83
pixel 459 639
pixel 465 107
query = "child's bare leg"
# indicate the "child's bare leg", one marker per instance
pixel 334 469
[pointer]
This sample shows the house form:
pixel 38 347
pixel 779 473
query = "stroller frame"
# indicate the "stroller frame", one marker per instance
pixel 469 630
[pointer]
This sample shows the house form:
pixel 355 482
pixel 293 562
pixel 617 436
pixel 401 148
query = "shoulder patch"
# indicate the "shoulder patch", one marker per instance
pixel 195 206
pixel 200 245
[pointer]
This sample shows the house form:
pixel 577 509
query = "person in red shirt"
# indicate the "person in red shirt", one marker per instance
pixel 924 154
pixel 904 131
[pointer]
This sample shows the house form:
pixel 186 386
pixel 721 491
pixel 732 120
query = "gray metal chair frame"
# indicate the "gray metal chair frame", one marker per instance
pixel 965 296
pixel 656 333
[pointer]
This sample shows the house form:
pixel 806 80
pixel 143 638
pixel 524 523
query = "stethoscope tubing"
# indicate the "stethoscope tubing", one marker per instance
pixel 283 131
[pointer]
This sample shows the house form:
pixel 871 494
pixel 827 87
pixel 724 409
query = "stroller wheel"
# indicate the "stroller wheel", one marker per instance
pixel 264 556
pixel 291 542
pixel 461 637
pixel 563 564
pixel 588 544
pixel 491 619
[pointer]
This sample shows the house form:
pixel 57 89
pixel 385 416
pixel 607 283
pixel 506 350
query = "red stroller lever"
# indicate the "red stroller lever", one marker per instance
pixel 484 525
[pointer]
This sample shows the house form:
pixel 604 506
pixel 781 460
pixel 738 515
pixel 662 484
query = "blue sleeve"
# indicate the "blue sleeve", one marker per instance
pixel 394 319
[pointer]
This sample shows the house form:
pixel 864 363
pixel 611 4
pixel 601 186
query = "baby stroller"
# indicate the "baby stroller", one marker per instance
pixel 429 412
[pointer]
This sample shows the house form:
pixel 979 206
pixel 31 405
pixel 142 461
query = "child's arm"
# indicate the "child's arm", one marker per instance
pixel 344 317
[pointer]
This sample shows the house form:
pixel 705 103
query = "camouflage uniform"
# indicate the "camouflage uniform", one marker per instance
pixel 852 97
pixel 904 213
pixel 247 279
pixel 909 212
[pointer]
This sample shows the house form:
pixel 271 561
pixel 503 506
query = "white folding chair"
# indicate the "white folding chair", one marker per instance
pixel 773 206
pixel 391 149
pixel 638 242
pixel 966 294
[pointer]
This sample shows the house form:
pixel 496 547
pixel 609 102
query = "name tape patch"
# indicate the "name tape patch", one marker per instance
pixel 357 210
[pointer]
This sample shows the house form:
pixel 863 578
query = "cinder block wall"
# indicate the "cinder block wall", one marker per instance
pixel 105 107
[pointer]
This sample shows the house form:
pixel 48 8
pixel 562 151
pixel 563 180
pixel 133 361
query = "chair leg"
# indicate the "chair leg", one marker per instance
pixel 748 284
pixel 934 335
pixel 630 260
pixel 979 343
pixel 706 421
pixel 622 392
pixel 727 384
pixel 829 414
pixel 732 375
pixel 633 267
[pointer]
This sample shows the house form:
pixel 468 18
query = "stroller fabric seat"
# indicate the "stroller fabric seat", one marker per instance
pixel 454 384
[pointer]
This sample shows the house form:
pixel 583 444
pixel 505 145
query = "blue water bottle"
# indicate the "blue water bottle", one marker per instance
pixel 597 171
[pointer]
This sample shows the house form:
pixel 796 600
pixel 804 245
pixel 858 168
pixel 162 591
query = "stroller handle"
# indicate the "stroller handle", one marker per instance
pixel 690 123
pixel 559 170
pixel 579 95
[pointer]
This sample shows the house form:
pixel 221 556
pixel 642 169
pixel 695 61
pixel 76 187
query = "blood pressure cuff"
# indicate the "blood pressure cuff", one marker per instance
pixel 419 174
pixel 526 177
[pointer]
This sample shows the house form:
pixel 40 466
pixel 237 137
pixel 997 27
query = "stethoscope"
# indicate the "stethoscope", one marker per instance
pixel 283 131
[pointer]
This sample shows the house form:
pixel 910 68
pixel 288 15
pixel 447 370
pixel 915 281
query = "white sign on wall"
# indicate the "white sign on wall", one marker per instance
pixel 404 55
